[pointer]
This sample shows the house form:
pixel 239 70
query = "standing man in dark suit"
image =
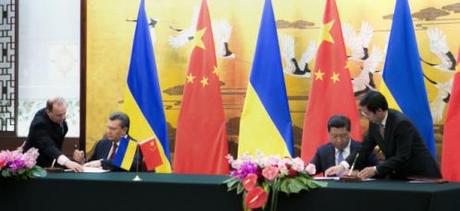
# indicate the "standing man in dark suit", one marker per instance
pixel 46 133
pixel 105 149
pixel 406 154
pixel 340 146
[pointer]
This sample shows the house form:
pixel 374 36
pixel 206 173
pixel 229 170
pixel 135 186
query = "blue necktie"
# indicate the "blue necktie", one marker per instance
pixel 340 157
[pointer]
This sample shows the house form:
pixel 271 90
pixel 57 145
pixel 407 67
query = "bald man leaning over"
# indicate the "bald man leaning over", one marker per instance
pixel 46 133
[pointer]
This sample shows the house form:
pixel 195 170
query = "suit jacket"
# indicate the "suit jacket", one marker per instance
pixel 406 154
pixel 47 137
pixel 324 157
pixel 101 152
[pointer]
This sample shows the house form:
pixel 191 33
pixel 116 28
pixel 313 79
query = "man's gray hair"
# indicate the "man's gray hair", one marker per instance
pixel 124 119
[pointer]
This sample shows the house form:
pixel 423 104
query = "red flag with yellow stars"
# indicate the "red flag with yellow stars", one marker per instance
pixel 201 139
pixel 450 165
pixel 151 154
pixel 331 92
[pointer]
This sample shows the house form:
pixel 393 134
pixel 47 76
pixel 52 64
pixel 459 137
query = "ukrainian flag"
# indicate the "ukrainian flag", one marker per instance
pixel 403 76
pixel 143 102
pixel 125 154
pixel 266 122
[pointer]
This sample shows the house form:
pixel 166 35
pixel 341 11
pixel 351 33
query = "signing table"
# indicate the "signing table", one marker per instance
pixel 117 191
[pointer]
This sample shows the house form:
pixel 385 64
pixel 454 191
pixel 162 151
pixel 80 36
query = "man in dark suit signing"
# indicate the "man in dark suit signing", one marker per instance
pixel 340 146
pixel 406 154
pixel 105 149
pixel 46 133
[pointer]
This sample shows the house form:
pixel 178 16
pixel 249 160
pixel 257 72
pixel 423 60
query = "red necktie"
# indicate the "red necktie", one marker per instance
pixel 114 149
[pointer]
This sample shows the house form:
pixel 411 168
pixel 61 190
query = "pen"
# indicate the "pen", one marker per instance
pixel 81 154
pixel 54 162
pixel 353 165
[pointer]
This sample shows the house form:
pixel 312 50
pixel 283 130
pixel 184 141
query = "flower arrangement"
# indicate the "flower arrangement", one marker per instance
pixel 258 177
pixel 20 165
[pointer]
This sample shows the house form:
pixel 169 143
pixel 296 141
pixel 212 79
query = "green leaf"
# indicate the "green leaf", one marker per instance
pixel 232 188
pixel 320 184
pixel 295 186
pixel 21 171
pixel 311 184
pixel 38 173
pixel 6 173
pixel 232 183
pixel 266 187
pixel 230 180
pixel 302 179
pixel 240 188
pixel 284 185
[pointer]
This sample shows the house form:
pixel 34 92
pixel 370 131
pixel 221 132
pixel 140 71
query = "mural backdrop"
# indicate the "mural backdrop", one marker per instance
pixel 366 25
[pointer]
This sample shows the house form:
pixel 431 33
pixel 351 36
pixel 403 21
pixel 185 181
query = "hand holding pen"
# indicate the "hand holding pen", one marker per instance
pixel 78 155
pixel 353 165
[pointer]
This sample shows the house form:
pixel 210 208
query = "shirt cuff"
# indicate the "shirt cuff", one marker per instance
pixel 345 165
pixel 376 171
pixel 62 159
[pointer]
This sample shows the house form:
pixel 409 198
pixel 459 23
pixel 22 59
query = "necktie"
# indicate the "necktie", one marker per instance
pixel 114 149
pixel 382 130
pixel 61 128
pixel 340 157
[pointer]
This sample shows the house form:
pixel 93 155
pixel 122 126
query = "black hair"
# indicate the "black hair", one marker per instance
pixel 339 121
pixel 374 101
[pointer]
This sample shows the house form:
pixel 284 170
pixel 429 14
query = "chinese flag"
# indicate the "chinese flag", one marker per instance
pixel 450 160
pixel 331 92
pixel 201 139
pixel 151 154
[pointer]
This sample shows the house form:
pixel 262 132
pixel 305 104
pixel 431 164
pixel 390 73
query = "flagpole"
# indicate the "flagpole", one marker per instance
pixel 137 177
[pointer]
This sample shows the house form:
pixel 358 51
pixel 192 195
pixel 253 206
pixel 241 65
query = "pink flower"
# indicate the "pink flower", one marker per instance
pixel 311 169
pixel 19 164
pixel 283 165
pixel 32 152
pixel 272 160
pixel 30 157
pixel 230 158
pixel 10 156
pixel 16 158
pixel 270 172
pixel 298 164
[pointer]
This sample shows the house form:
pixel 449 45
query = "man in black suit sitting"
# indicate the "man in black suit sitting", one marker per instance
pixel 105 149
pixel 340 146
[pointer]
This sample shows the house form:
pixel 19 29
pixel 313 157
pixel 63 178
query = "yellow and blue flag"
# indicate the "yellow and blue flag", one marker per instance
pixel 143 102
pixel 125 154
pixel 403 76
pixel 266 124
